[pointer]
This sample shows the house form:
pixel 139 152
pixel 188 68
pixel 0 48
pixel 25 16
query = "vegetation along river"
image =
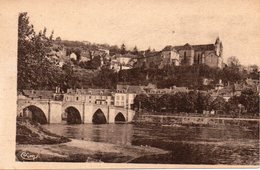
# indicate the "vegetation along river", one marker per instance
pixel 187 145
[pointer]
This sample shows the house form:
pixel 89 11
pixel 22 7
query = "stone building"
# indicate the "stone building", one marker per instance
pixel 125 94
pixel 95 96
pixel 208 54
pixel 159 59
pixel 122 62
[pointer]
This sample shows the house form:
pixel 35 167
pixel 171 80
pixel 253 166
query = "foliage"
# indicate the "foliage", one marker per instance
pixel 123 49
pixel 218 104
pixel 35 69
pixel 250 100
pixel 232 106
pixel 178 102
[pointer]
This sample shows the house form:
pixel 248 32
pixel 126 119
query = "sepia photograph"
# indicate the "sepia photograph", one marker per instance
pixel 164 82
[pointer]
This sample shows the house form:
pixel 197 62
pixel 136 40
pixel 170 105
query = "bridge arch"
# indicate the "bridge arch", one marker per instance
pixel 34 113
pixel 99 117
pixel 72 115
pixel 120 118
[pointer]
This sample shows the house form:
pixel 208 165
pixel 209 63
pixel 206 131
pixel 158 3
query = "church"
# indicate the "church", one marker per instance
pixel 208 54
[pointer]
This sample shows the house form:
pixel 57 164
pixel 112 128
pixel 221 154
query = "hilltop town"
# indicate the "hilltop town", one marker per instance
pixel 151 83
pixel 134 79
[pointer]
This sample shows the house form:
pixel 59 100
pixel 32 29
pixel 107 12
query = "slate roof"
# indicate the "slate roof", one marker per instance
pixel 130 89
pixel 204 47
pixel 43 94
pixel 135 89
pixel 128 55
pixel 104 92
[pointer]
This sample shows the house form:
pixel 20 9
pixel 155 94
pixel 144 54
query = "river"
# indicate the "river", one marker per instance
pixel 187 145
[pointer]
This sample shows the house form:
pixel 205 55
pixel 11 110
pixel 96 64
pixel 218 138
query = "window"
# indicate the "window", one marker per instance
pixel 77 98
pixel 90 97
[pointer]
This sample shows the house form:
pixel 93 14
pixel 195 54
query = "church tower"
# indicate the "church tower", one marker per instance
pixel 219 52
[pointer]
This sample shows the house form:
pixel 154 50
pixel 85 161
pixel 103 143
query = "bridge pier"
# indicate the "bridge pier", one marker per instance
pixel 88 109
pixel 111 118
pixel 55 108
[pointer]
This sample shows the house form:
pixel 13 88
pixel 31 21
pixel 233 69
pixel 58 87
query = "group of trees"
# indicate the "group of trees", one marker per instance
pixel 196 102
pixel 188 76
pixel 35 69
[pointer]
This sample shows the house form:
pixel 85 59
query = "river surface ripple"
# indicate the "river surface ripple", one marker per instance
pixel 187 145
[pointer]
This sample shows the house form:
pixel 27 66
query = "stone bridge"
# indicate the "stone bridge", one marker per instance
pixel 53 111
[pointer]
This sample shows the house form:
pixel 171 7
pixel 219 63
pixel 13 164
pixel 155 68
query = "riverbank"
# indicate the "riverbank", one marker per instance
pixel 85 151
pixel 34 143
pixel 175 121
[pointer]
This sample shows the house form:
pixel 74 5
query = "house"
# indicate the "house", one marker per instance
pixel 125 94
pixel 170 56
pixel 158 59
pixel 95 96
pixel 123 62
pixel 73 56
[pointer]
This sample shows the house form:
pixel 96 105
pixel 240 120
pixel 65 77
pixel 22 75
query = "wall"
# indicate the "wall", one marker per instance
pixel 189 57
pixel 211 60
pixel 206 121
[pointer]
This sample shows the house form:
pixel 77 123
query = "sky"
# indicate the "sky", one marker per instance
pixel 154 23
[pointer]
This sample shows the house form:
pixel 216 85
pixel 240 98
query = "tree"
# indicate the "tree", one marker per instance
pixel 58 39
pixel 232 106
pixel 232 74
pixel 250 100
pixel 164 102
pixel 218 104
pixel 77 51
pixel 96 62
pixel 106 78
pixel 123 49
pixel 203 102
pixel 135 51
pixel 254 72
pixel 141 101
pixel 153 102
pixel 181 99
pixel 148 50
pixel 233 61
pixel 35 69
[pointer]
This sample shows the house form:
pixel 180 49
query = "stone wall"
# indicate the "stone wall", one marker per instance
pixel 203 121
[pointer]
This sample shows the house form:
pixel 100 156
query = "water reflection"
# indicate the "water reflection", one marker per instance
pixel 110 133
pixel 188 145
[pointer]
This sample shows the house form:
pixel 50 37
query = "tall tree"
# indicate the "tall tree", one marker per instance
pixel 35 69
pixel 123 49
pixel 135 50
pixel 233 61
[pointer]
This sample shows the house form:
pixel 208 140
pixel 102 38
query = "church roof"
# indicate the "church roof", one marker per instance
pixel 204 47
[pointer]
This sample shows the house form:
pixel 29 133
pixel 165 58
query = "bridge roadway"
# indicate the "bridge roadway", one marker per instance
pixel 53 110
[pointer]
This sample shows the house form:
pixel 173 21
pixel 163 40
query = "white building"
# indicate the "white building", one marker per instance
pixel 125 94
pixel 73 56
pixel 95 96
